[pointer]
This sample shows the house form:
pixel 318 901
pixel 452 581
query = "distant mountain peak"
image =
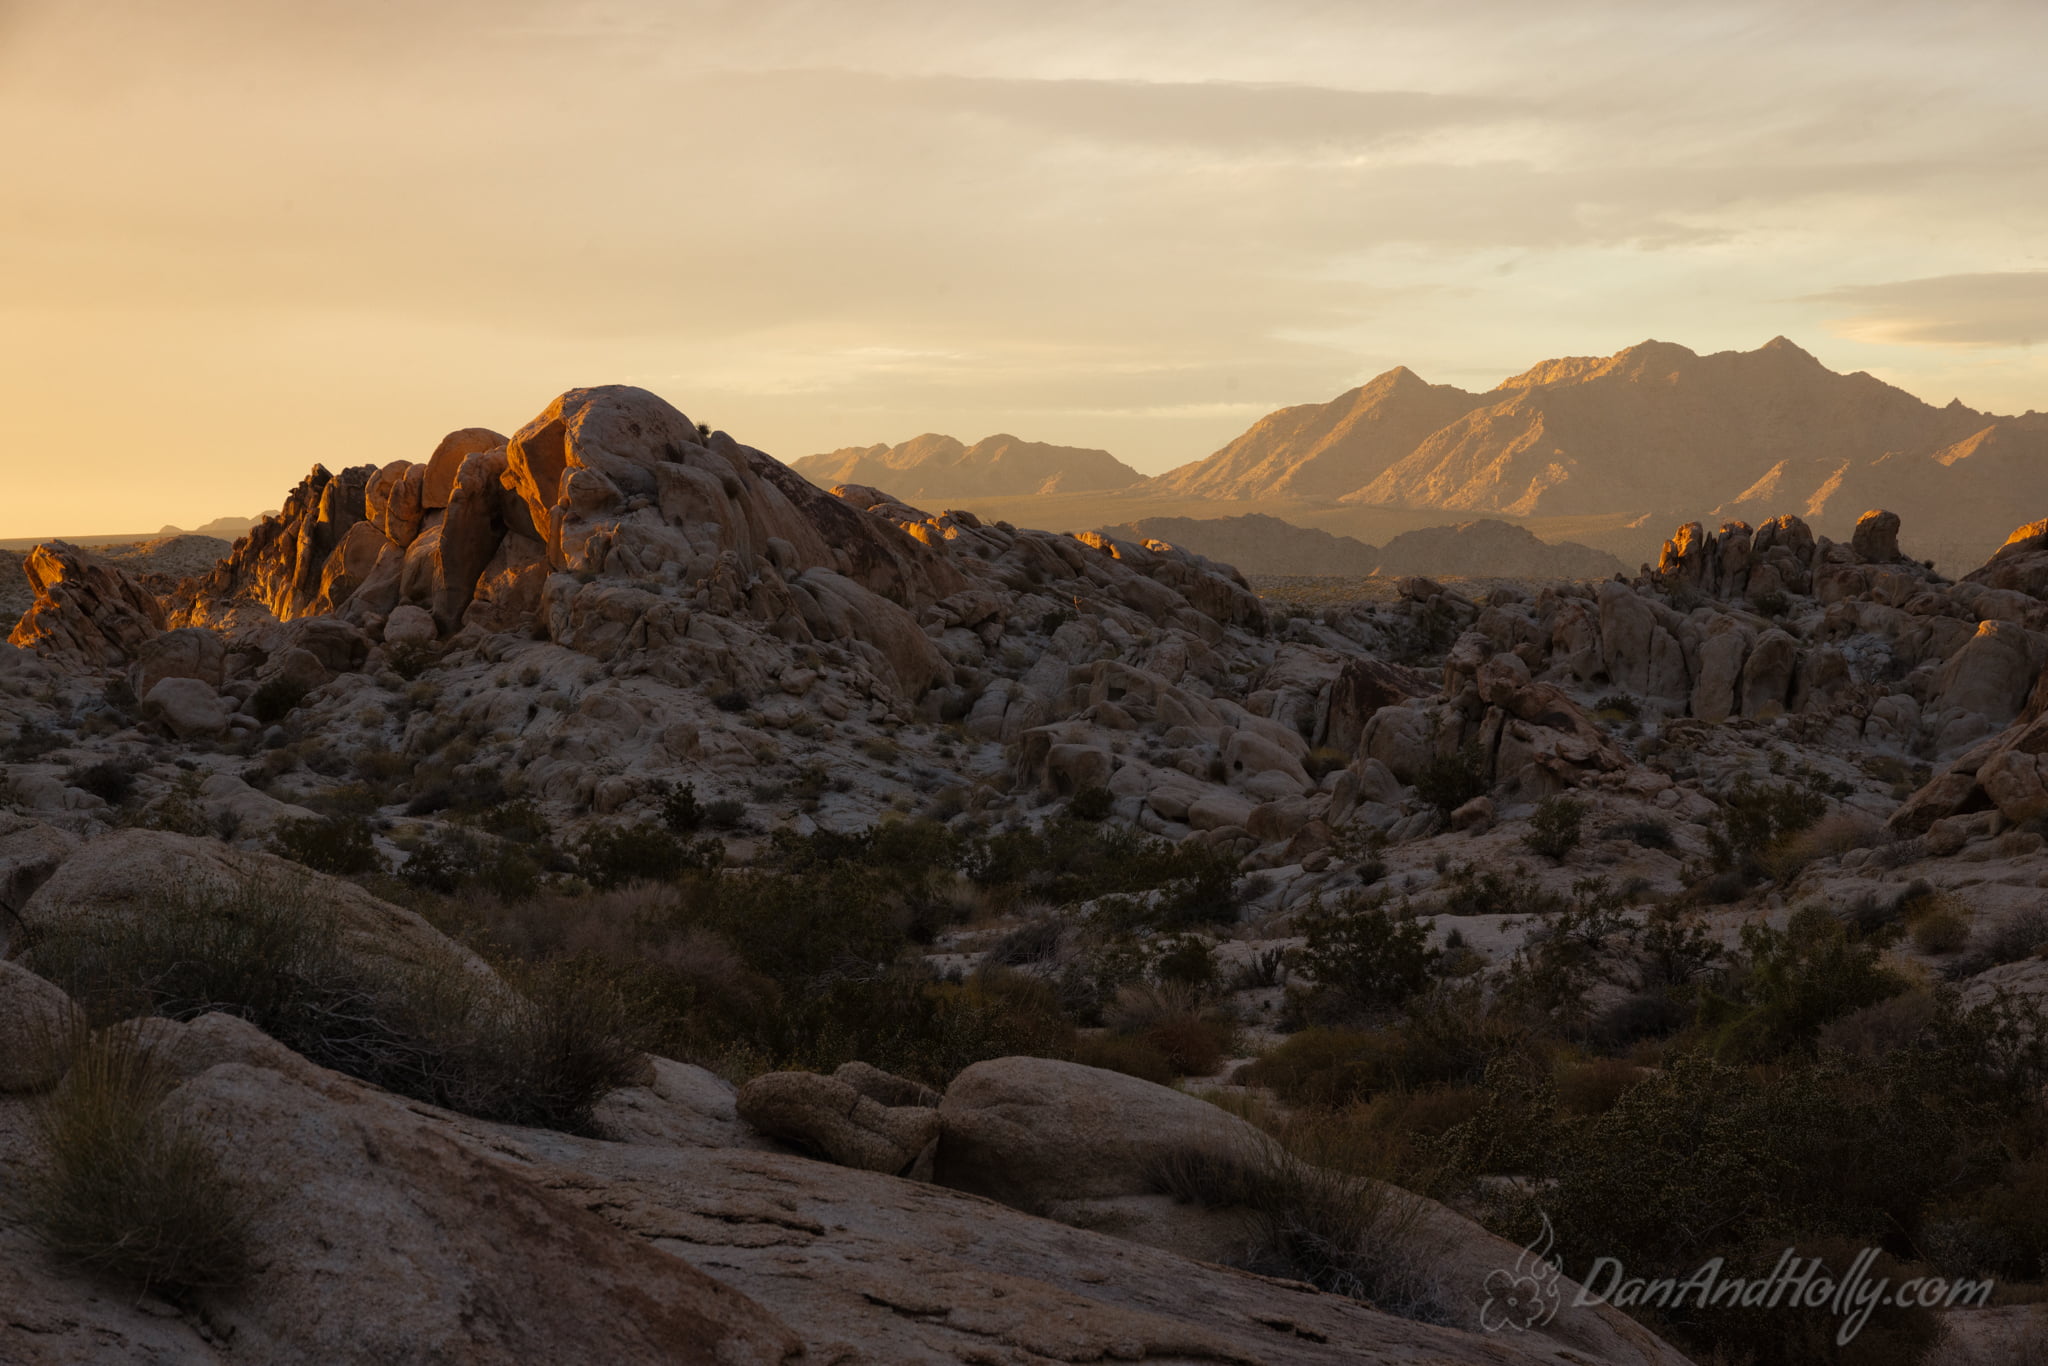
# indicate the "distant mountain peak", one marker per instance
pixel 938 467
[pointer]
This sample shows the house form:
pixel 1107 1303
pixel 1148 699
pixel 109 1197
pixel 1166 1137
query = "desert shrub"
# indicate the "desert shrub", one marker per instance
pixel 726 813
pixel 1189 961
pixel 1793 982
pixel 1035 941
pixel 519 821
pixel 1754 818
pixel 1593 1087
pixel 1362 957
pixel 342 845
pixel 1448 781
pixel 1344 1234
pixel 1121 1053
pixel 2024 935
pixel 1881 1028
pixel 1265 968
pixel 1324 760
pixel 614 855
pixel 467 788
pixel 112 781
pixel 1705 1159
pixel 1554 829
pixel 1619 704
pixel 842 921
pixel 1771 604
pixel 680 810
pixel 1560 962
pixel 904 1022
pixel 1677 948
pixel 1649 834
pixel 1166 886
pixel 119 1186
pixel 1174 1021
pixel 1650 1014
pixel 275 699
pixel 1468 890
pixel 1193 1046
pixel 731 700
pixel 1323 1065
pixel 381 766
pixel 1448 1039
pixel 546 1055
pixel 1940 929
pixel 2000 1230
pixel 1828 837
pixel 1090 803
pixel 32 740
pixel 452 859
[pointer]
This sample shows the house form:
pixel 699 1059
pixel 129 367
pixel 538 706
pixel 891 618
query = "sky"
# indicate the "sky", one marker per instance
pixel 243 236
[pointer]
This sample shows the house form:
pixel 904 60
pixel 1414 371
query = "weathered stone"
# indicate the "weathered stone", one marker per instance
pixel 409 625
pixel 444 466
pixel 828 1116
pixel 187 707
pixel 1876 540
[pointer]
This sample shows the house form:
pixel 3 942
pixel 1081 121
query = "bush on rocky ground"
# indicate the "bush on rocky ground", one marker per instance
pixel 1361 958
pixel 1448 781
pixel 342 845
pixel 121 1188
pixel 1555 828
pixel 1755 820
pixel 1342 1233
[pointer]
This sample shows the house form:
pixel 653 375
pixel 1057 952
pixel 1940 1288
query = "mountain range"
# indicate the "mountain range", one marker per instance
pixel 940 467
pixel 1654 434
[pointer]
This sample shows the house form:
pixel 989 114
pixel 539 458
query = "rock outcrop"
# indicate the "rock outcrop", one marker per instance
pixel 86 612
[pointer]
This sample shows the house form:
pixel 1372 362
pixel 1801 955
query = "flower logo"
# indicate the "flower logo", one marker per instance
pixel 1525 1297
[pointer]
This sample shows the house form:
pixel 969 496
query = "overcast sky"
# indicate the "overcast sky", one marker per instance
pixel 242 236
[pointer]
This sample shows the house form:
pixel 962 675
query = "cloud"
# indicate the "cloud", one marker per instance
pixel 1993 308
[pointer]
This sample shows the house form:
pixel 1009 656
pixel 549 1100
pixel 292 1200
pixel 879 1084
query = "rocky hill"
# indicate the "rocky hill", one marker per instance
pixel 1654 429
pixel 1489 548
pixel 936 468
pixel 591 894
pixel 1256 544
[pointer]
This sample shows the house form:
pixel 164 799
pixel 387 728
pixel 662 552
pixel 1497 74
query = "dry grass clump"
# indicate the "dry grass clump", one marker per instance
pixel 2022 936
pixel 1831 836
pixel 1939 924
pixel 1592 1087
pixel 1174 1020
pixel 1345 1234
pixel 1132 1057
pixel 120 1187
